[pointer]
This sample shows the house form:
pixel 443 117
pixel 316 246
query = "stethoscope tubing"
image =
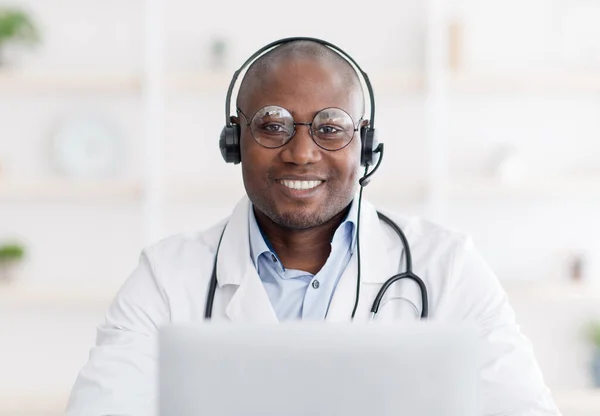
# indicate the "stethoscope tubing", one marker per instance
pixel 408 274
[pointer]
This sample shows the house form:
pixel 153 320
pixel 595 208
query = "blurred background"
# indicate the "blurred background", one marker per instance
pixel 109 118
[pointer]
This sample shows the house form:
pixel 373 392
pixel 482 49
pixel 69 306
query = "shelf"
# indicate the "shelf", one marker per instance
pixel 175 82
pixel 39 403
pixel 400 80
pixel 28 296
pixel 69 189
pixel 551 82
pixel 191 191
pixel 19 82
pixel 202 82
pixel 588 186
pixel 578 402
pixel 553 291
pixel 571 403
pixel 198 82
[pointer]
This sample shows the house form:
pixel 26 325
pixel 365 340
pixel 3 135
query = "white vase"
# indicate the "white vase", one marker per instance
pixel 8 271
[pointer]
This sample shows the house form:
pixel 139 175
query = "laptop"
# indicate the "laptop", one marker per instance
pixel 230 369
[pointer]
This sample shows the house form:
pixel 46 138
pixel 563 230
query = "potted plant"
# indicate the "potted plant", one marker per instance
pixel 10 256
pixel 593 334
pixel 16 26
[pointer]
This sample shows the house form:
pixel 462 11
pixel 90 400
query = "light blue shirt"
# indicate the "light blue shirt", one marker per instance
pixel 297 294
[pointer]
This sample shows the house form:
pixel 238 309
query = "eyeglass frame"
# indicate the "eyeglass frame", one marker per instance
pixel 309 125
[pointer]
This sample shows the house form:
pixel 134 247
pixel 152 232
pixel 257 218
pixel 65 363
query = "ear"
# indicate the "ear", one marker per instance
pixel 364 123
pixel 234 119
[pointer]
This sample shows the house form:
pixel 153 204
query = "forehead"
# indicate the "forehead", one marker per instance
pixel 305 86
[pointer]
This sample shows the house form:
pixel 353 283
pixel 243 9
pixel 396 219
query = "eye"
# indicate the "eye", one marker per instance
pixel 329 130
pixel 273 128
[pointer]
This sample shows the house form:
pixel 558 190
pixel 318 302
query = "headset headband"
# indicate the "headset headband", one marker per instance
pixel 286 40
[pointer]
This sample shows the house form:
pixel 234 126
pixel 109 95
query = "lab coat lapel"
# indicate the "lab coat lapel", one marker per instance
pixel 249 302
pixel 376 267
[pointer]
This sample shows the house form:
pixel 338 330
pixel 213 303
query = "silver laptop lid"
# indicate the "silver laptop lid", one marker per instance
pixel 328 369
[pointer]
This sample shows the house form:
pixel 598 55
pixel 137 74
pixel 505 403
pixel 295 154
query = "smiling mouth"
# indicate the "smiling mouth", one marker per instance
pixel 300 185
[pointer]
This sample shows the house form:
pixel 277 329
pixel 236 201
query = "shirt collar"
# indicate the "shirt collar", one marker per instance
pixel 259 243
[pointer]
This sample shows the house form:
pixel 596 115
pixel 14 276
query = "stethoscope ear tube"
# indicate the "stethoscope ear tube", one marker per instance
pixel 212 288
pixel 408 274
pixel 394 279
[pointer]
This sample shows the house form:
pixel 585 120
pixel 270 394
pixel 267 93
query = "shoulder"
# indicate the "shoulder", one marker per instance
pixel 421 231
pixel 182 244
pixel 183 256
pixel 438 252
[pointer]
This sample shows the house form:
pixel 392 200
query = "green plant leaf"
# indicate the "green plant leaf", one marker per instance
pixel 11 252
pixel 16 25
pixel 593 332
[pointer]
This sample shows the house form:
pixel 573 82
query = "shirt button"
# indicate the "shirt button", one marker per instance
pixel 274 258
pixel 315 284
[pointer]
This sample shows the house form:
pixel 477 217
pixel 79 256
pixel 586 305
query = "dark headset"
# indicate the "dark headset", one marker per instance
pixel 229 142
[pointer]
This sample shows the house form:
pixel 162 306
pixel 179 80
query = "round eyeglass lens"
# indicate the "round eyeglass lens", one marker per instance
pixel 273 126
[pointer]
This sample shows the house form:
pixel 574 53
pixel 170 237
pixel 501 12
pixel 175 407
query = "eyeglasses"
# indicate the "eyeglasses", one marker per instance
pixel 273 126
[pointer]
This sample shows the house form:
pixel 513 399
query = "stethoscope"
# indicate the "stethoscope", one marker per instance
pixel 408 274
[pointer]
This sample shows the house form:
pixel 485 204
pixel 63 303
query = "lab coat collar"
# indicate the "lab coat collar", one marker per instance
pixel 251 302
pixel 236 243
pixel 234 261
pixel 381 261
pixel 376 264
pixel 259 243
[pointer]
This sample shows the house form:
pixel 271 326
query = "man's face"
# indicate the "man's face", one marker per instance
pixel 272 176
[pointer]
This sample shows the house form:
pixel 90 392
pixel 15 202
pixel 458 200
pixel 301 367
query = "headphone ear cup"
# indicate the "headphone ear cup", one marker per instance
pixel 229 143
pixel 368 145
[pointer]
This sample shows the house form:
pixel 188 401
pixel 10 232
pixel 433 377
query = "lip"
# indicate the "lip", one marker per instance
pixel 299 193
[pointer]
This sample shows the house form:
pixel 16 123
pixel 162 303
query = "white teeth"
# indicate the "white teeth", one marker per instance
pixel 300 184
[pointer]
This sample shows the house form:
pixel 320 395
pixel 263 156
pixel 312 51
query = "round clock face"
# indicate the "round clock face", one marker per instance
pixel 86 148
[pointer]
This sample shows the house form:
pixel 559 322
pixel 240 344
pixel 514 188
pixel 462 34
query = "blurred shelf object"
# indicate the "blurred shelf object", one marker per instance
pixel 57 189
pixel 19 82
pixel 507 82
pixel 586 186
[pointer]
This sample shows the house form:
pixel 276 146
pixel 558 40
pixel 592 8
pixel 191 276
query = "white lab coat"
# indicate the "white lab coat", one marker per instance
pixel 171 282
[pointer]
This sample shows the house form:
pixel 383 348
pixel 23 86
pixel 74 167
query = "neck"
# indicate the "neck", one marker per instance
pixel 305 250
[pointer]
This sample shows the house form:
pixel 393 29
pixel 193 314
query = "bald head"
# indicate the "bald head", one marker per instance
pixel 260 72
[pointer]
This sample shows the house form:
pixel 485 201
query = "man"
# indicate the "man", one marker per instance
pixel 289 250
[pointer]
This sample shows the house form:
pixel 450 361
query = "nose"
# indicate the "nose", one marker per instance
pixel 301 149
